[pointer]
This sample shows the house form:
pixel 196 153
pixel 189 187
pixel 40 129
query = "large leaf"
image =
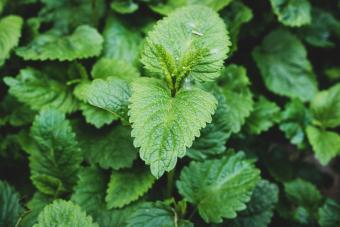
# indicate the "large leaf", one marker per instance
pixel 285 69
pixel 126 186
pixel 10 31
pixel 38 90
pixel 260 207
pixel 294 13
pixel 219 188
pixel 64 213
pixel 10 209
pixel 326 144
pixel 156 214
pixel 121 41
pixel 326 107
pixel 329 214
pixel 89 192
pixel 84 42
pixel 192 41
pixel 264 115
pixel 235 87
pixel 55 163
pixel 109 148
pixel 165 125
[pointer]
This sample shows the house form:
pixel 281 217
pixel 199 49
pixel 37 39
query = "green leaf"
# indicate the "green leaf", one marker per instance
pixel 64 213
pixel 333 73
pixel 107 67
pixel 196 46
pixel 323 30
pixel 110 148
pixel 10 32
pixel 235 16
pixel 84 42
pixel 260 207
pixel 38 90
pixel 326 144
pixel 219 188
pixel 329 214
pixel 294 13
pixel 171 5
pixel 294 120
pixel 111 94
pixel 95 116
pixel 214 136
pixel 326 106
pixel 155 214
pixel 129 185
pixel 115 217
pixel 235 87
pixel 10 208
pixel 55 164
pixel 89 193
pixel 124 6
pixel 302 193
pixel 163 125
pixel 285 69
pixel 121 41
pixel 264 116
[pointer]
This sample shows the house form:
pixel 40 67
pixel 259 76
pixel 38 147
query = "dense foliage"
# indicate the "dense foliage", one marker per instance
pixel 169 113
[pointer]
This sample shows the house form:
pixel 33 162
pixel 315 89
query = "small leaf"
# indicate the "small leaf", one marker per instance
pixel 326 107
pixel 294 13
pixel 285 69
pixel 124 6
pixel 164 126
pixel 84 42
pixel 55 162
pixel 196 46
pixel 326 144
pixel 38 91
pixel 329 214
pixel 10 32
pixel 95 116
pixel 10 208
pixel 64 213
pixel 129 185
pixel 219 188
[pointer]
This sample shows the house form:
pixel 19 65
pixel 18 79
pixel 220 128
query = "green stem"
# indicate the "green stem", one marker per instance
pixel 170 183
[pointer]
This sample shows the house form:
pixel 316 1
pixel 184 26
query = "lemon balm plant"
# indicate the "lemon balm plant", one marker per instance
pixel 169 113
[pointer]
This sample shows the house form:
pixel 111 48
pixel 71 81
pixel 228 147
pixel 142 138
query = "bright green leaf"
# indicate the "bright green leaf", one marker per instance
pixel 163 125
pixel 285 69
pixel 329 214
pixel 294 13
pixel 126 186
pixel 326 144
pixel 124 6
pixel 219 188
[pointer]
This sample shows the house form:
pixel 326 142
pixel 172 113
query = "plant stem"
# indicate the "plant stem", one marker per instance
pixel 170 183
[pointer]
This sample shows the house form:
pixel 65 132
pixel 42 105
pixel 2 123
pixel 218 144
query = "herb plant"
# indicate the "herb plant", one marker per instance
pixel 169 113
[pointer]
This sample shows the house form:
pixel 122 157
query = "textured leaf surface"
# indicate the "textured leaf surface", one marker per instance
pixel 164 126
pixel 260 207
pixel 38 91
pixel 235 87
pixel 219 188
pixel 192 41
pixel 329 214
pixel 89 193
pixel 10 208
pixel 129 185
pixel 285 69
pixel 264 115
pixel 110 148
pixel 84 42
pixel 10 32
pixel 326 107
pixel 294 13
pixel 64 213
pixel 54 165
pixel 121 41
pixel 155 214
pixel 326 144
pixel 96 116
